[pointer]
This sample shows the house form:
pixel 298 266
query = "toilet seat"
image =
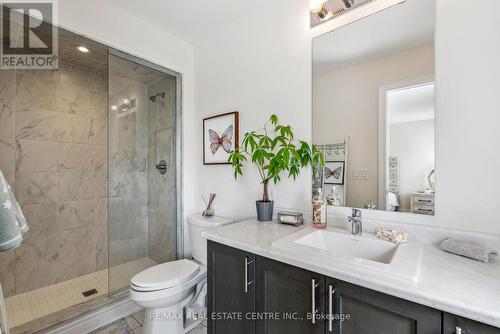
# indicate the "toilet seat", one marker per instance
pixel 159 296
pixel 165 276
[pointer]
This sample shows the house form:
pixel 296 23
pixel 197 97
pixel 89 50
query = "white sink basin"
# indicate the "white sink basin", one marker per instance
pixel 350 246
pixel 338 248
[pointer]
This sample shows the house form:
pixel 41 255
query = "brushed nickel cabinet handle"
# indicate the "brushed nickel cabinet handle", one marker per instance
pixel 424 210
pixel 331 292
pixel 424 200
pixel 313 300
pixel 247 283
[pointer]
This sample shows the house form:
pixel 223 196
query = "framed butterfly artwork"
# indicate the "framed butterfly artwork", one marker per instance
pixel 334 172
pixel 220 137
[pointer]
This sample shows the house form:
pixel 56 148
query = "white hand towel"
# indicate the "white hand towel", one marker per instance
pixel 475 252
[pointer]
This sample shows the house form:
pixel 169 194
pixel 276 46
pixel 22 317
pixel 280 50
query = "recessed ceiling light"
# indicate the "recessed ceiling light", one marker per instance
pixel 82 49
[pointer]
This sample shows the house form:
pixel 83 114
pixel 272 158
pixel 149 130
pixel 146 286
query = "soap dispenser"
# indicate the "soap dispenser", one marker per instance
pixel 319 211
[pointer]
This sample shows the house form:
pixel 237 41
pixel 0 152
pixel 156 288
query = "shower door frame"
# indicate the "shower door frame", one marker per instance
pixel 178 139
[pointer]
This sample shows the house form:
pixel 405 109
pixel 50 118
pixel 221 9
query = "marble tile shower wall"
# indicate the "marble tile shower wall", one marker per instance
pixel 128 186
pixel 161 188
pixel 53 150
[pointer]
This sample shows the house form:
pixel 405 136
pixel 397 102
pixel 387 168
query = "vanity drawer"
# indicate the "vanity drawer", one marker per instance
pixel 419 200
pixel 423 210
pixel 422 204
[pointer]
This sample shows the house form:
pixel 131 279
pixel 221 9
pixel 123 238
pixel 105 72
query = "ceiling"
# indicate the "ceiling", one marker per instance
pixel 189 20
pixel 400 27
pixel 411 105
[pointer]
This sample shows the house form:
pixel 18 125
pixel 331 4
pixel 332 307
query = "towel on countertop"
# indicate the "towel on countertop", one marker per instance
pixel 475 252
pixel 12 221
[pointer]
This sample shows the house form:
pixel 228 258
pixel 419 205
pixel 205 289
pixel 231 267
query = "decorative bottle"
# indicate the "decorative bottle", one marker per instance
pixel 319 211
pixel 333 198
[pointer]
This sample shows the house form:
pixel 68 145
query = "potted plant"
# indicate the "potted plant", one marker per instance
pixel 274 150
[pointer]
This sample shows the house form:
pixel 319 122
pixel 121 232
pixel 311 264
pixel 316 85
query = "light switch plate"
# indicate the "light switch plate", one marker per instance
pixel 360 174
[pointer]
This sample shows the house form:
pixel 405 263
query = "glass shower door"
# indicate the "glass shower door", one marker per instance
pixel 142 169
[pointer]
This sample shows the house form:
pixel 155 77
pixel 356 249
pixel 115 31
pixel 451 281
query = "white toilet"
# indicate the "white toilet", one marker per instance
pixel 166 289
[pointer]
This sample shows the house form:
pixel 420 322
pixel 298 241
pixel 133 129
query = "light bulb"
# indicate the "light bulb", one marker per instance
pixel 82 49
pixel 126 101
pixel 113 107
pixel 316 6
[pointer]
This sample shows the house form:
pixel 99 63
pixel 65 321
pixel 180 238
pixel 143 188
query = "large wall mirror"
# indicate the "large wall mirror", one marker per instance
pixel 374 110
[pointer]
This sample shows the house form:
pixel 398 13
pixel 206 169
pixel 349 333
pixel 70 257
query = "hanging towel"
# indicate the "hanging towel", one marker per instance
pixel 12 222
pixel 392 201
pixel 475 252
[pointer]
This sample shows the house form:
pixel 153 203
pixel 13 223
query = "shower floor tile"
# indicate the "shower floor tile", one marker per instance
pixel 43 302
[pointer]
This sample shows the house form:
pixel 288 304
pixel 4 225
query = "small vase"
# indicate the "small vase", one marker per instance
pixel 264 211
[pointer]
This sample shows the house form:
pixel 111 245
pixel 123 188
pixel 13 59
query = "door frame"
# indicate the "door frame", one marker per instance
pixel 178 139
pixel 383 124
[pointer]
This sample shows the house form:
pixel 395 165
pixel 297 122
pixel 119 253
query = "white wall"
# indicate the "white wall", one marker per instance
pixel 468 115
pixel 413 144
pixel 109 24
pixel 259 65
pixel 346 103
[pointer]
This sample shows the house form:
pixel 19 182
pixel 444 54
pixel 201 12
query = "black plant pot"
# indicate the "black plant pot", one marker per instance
pixel 264 211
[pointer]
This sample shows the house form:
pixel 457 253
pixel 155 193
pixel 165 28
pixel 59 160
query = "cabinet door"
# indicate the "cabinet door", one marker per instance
pixel 231 290
pixel 289 295
pixel 452 322
pixel 371 312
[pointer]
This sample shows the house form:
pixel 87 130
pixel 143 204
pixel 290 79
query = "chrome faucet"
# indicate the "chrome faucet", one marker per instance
pixel 357 224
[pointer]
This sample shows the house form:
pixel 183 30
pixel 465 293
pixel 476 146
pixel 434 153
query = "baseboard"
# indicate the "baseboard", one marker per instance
pixel 98 318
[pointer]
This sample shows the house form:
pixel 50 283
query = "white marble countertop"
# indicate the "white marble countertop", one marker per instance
pixel 446 282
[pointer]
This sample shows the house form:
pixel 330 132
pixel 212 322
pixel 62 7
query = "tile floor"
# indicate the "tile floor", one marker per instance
pixel 32 305
pixel 133 325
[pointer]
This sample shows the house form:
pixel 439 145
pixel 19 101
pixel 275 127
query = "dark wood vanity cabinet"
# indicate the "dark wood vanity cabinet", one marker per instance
pixel 369 311
pixel 275 298
pixel 452 322
pixel 231 289
pixel 291 295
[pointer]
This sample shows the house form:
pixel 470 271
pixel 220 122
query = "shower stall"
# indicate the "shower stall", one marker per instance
pixel 92 152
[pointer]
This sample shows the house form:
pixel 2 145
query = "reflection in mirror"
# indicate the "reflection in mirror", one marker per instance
pixel 331 178
pixel 373 86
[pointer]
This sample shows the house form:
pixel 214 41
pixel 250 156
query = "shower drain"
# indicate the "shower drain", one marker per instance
pixel 89 292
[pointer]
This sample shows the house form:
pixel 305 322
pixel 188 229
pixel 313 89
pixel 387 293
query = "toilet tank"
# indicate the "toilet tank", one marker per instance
pixel 197 224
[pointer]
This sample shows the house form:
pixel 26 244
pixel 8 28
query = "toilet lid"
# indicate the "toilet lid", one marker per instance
pixel 165 275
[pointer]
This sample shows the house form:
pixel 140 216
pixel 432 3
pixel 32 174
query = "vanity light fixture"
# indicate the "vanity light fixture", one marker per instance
pixel 318 7
pixel 82 49
pixel 348 3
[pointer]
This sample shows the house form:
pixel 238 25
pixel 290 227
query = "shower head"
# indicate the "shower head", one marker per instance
pixel 348 3
pixel 154 97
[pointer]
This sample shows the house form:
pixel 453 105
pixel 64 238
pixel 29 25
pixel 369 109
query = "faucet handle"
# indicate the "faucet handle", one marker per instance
pixel 356 213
